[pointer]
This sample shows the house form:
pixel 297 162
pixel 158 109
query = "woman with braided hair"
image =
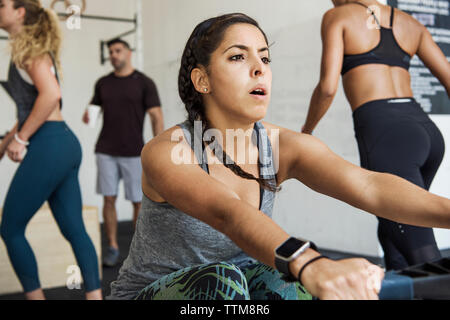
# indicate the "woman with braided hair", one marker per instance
pixel 205 229
pixel 49 170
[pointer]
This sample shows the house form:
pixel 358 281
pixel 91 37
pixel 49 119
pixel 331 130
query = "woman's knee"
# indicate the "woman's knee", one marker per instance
pixel 221 280
pixel 76 236
pixel 215 281
pixel 3 232
pixel 226 270
pixel 8 232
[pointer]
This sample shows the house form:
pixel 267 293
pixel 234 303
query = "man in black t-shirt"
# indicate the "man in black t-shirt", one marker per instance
pixel 125 97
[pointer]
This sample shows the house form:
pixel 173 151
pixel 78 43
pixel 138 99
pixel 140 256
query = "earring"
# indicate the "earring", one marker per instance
pixel 205 90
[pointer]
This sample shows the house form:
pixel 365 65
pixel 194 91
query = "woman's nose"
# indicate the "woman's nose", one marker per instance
pixel 258 68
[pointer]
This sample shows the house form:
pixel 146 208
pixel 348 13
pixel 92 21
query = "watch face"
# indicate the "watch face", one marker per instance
pixel 290 247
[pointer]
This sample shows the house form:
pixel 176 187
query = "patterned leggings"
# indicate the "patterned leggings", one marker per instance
pixel 224 281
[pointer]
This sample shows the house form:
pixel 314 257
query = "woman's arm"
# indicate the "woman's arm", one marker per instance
pixel 332 57
pixel 7 140
pixel 384 195
pixel 193 191
pixel 48 98
pixel 434 59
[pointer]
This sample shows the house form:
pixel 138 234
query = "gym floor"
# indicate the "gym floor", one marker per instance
pixel 125 234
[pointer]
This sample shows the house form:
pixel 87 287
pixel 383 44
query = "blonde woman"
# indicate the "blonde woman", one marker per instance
pixel 49 171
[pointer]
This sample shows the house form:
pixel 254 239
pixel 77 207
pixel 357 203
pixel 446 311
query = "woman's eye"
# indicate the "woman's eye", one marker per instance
pixel 237 57
pixel 266 60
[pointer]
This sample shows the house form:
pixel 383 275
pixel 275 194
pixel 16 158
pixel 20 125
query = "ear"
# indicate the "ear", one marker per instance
pixel 21 12
pixel 199 78
pixel 129 54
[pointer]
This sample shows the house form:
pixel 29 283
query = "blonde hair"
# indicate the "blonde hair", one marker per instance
pixel 39 35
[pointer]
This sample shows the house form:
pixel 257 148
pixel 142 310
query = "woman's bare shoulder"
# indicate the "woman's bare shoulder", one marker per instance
pixel 408 25
pixel 293 144
pixel 274 130
pixel 165 141
pixel 271 126
pixel 337 14
pixel 290 147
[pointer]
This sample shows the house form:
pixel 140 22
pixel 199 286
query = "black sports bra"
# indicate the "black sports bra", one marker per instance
pixel 386 52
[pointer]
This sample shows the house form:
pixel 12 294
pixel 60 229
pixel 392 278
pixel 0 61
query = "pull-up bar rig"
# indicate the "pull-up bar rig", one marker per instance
pixel 103 43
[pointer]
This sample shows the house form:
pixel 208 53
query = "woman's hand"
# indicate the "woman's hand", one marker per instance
pixel 349 279
pixel 2 150
pixel 15 151
pixel 86 117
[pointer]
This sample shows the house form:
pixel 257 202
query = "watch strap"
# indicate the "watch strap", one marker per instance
pixel 283 267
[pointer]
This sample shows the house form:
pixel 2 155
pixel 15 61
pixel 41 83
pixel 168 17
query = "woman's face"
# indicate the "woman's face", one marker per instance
pixel 9 17
pixel 239 74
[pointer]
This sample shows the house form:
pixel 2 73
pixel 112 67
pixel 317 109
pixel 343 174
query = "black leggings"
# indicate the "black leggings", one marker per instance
pixel 396 136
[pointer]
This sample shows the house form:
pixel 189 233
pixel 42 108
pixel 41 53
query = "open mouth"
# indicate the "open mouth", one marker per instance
pixel 258 92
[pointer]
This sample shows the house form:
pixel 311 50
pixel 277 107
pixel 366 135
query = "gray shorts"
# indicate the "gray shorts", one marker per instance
pixel 111 169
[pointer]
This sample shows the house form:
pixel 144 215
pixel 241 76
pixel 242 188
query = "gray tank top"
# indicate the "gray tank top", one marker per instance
pixel 23 93
pixel 167 239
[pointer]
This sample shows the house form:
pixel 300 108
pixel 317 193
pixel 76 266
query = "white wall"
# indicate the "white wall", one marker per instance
pixel 81 68
pixel 294 27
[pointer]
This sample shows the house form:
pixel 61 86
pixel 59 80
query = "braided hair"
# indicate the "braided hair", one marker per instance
pixel 204 40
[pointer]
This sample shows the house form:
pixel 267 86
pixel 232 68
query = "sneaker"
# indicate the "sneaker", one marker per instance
pixel 111 257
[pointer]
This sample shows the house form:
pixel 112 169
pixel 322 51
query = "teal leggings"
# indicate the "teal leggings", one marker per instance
pixel 224 281
pixel 49 172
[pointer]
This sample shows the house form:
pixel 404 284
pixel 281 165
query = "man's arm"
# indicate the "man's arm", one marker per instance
pixel 152 104
pixel 156 120
pixel 96 100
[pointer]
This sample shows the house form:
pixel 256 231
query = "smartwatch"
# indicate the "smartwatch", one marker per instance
pixel 288 251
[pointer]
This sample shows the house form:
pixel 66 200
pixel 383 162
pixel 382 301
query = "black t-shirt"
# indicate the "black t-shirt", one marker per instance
pixel 124 102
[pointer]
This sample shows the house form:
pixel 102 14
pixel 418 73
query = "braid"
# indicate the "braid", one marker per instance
pixel 237 170
pixel 203 41
pixel 188 94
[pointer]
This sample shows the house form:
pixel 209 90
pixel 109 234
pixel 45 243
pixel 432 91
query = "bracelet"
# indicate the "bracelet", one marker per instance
pixel 306 264
pixel 25 143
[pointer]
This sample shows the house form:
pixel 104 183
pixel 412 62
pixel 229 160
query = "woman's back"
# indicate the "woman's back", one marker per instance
pixel 371 46
pixel 362 34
